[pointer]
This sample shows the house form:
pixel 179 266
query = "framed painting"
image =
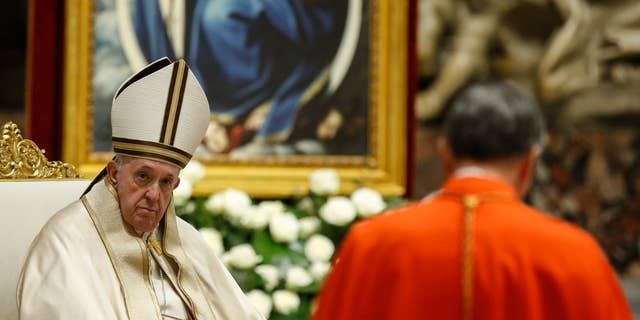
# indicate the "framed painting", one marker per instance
pixel 293 86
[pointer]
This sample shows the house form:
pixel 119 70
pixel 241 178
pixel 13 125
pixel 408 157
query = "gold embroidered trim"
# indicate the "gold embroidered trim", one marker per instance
pixel 131 256
pixel 146 271
pixel 170 236
pixel 190 305
pixel 110 253
pixel 22 159
pixel 470 202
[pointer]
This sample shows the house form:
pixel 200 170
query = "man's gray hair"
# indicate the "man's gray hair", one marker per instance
pixel 119 160
pixel 493 120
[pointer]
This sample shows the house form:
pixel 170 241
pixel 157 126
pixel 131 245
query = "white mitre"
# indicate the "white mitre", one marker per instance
pixel 160 113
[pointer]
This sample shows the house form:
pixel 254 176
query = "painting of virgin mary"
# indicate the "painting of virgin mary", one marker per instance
pixel 283 77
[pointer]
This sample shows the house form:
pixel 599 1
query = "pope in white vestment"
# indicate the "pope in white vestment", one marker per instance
pixel 112 254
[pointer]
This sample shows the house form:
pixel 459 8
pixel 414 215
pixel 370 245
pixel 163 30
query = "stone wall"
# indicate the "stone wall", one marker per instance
pixel 591 176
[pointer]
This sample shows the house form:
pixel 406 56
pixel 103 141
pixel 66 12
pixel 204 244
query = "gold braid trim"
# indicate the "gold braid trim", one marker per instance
pixel 470 202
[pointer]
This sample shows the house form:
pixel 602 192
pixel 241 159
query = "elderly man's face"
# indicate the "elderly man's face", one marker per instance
pixel 144 190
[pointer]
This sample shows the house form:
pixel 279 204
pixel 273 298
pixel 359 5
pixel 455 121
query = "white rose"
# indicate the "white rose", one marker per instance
pixel 319 248
pixel 324 182
pixel 190 207
pixel 298 277
pixel 309 226
pixel 270 275
pixel 243 257
pixel 236 203
pixel 215 203
pixel 338 211
pixel 285 301
pixel 271 207
pixel 319 270
pixel 368 202
pixel 258 217
pixel 233 203
pixel 254 219
pixel 261 301
pixel 284 227
pixel 182 193
pixel 193 172
pixel 213 239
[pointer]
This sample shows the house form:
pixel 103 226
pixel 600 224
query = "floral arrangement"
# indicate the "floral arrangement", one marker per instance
pixel 279 251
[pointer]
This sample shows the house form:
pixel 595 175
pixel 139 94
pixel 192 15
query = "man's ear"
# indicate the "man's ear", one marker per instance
pixel 528 168
pixel 112 171
pixel 177 183
pixel 446 156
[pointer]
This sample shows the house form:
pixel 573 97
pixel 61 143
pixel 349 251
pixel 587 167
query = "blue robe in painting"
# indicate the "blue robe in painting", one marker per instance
pixel 246 52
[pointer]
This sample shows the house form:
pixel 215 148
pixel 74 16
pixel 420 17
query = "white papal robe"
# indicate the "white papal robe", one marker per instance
pixel 88 263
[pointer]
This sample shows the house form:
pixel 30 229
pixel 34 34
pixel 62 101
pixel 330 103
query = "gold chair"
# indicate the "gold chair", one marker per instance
pixel 32 189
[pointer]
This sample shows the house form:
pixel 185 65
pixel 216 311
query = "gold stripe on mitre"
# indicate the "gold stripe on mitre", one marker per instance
pixel 152 150
pixel 174 102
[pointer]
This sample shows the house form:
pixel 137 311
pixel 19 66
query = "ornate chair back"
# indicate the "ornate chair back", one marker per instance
pixel 32 189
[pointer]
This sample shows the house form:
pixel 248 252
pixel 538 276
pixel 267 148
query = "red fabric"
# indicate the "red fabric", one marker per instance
pixel 412 87
pixel 44 75
pixel 407 264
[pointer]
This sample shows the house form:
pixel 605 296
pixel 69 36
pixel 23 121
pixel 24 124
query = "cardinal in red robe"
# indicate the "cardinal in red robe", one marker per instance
pixel 474 249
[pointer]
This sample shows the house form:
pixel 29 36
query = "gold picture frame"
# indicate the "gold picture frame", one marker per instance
pixel 383 167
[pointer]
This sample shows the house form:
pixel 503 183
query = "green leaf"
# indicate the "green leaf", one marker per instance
pixel 335 233
pixel 297 212
pixel 395 202
pixel 246 279
pixel 266 247
pixel 232 239
pixel 318 201
pixel 311 289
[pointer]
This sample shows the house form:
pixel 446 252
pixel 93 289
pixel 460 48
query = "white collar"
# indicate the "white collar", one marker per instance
pixel 475 172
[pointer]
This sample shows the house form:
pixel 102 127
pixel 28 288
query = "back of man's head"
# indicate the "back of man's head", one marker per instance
pixel 491 121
